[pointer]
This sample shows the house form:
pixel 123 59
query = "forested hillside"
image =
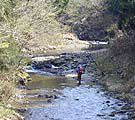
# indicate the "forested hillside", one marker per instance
pixel 119 62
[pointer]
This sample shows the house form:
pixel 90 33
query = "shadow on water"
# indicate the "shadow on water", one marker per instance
pixel 50 82
pixel 42 90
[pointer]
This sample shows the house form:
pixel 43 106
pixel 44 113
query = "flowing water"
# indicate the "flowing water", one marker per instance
pixel 68 101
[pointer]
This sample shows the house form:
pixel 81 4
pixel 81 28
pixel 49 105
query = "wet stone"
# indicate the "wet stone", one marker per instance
pixel 63 96
pixel 112 114
pixel 132 116
pixel 56 97
pixel 119 104
pixel 97 91
pixel 39 96
pixel 108 101
pixel 45 96
pixel 48 96
pixel 30 113
pixel 122 111
pixel 21 110
pixel 108 105
pixel 77 99
pixel 49 100
pixel 100 115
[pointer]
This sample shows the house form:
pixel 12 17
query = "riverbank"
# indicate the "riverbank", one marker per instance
pixel 63 77
pixel 9 114
pixel 116 83
pixel 60 70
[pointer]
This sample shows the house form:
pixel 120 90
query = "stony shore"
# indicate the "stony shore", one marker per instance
pixel 65 65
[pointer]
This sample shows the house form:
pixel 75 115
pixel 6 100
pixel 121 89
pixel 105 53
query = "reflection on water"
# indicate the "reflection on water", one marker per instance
pixel 41 89
pixel 59 98
pixel 50 82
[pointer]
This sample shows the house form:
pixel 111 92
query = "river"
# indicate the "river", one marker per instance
pixel 71 102
pixel 58 96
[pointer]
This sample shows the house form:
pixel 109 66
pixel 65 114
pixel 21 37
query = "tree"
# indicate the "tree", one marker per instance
pixel 125 9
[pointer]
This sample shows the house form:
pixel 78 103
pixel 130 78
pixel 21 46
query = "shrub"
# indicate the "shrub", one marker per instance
pixel 125 10
pixel 7 90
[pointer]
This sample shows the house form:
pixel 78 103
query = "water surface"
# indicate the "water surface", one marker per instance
pixel 73 102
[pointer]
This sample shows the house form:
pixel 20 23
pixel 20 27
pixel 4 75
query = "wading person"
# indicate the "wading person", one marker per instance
pixel 79 74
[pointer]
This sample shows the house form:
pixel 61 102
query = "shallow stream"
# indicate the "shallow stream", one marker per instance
pixel 60 98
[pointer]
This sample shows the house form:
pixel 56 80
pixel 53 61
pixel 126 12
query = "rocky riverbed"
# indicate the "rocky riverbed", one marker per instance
pixel 54 94
pixel 62 64
pixel 79 103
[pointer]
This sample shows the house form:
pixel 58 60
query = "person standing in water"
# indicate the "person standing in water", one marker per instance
pixel 79 74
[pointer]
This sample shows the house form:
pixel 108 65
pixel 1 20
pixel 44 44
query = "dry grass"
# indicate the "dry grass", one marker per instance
pixel 9 114
pixel 7 91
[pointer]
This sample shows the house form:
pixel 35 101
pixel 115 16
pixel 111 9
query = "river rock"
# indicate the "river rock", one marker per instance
pixel 41 65
pixel 77 99
pixel 49 100
pixel 59 62
pixel 55 97
pixel 45 96
pixel 122 111
pixel 120 104
pixel 40 96
pixel 21 110
pixel 97 91
pixel 133 90
pixel 48 96
pixel 131 116
pixel 48 65
pixel 100 115
pixel 112 114
pixel 107 101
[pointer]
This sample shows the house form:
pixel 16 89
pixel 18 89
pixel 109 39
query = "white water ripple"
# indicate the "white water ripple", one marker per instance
pixel 80 103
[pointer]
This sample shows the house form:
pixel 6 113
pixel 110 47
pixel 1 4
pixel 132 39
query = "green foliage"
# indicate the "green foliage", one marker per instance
pixel 7 13
pixel 61 5
pixel 9 52
pixel 105 64
pixel 126 11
